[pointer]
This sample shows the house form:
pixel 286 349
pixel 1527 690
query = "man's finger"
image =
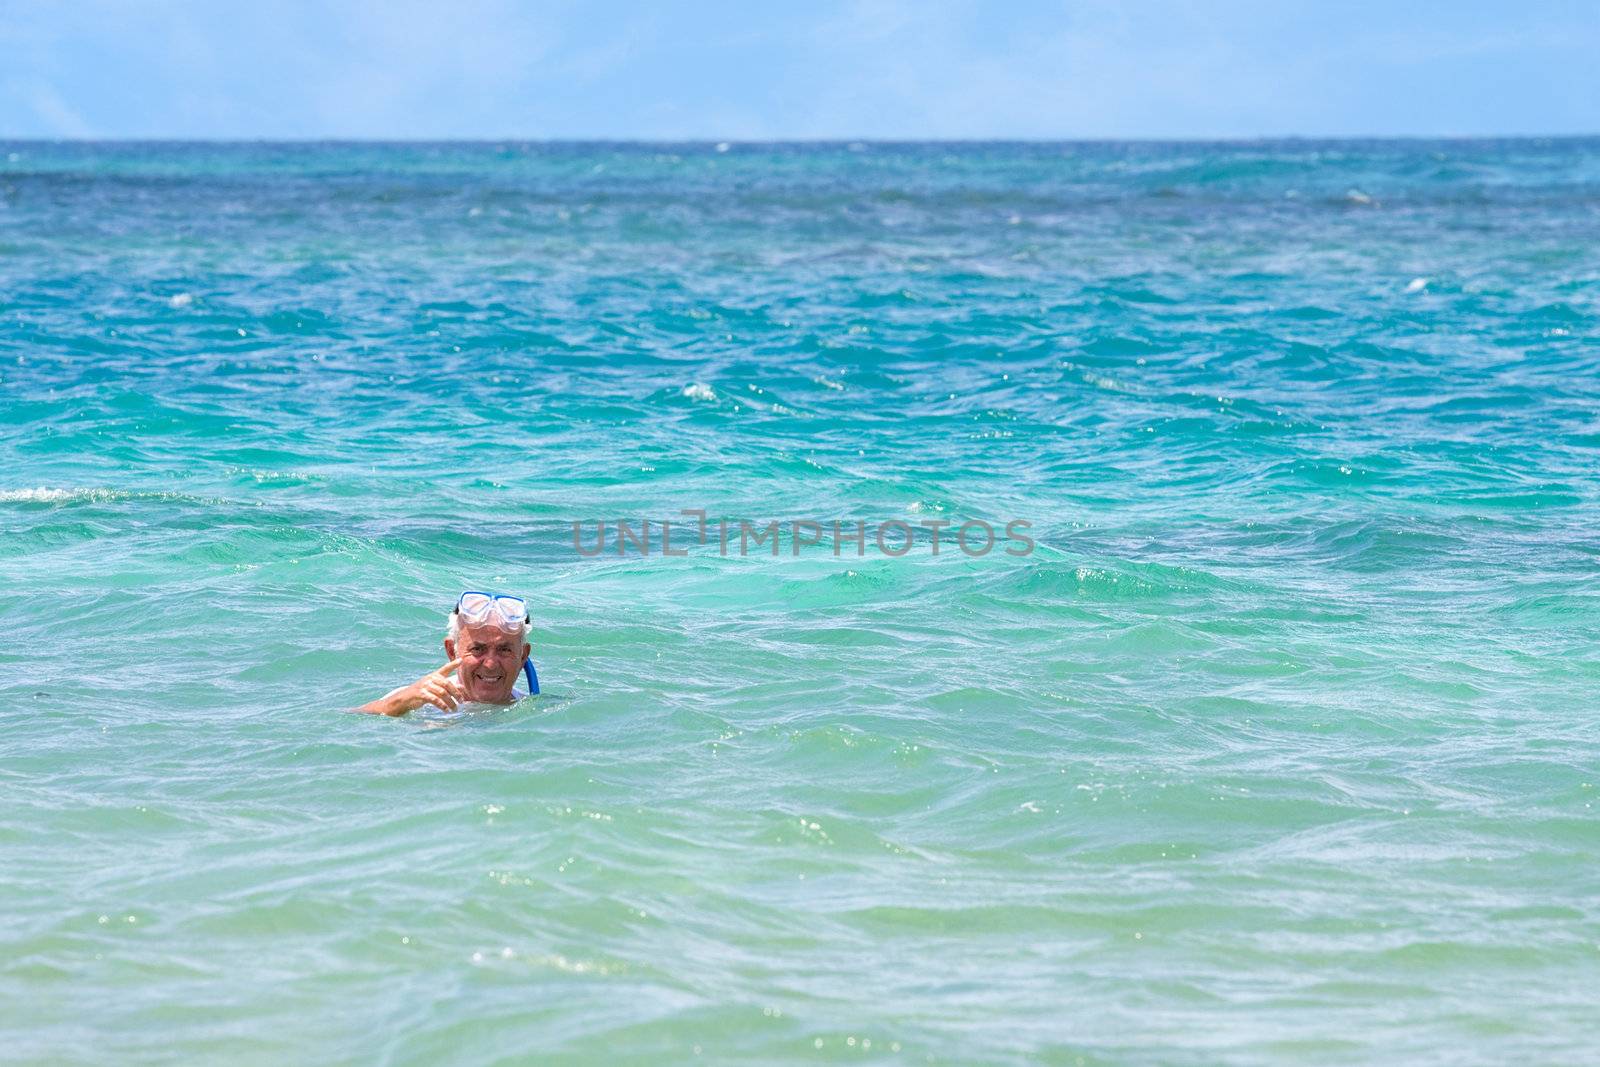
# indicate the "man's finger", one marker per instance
pixel 445 671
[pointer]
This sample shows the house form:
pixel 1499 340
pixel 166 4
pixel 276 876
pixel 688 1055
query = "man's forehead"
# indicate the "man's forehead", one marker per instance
pixel 489 635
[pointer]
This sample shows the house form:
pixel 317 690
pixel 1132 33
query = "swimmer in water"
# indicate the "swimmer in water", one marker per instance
pixel 487 643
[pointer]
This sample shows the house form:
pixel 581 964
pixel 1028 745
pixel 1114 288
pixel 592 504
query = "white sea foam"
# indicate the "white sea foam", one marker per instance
pixel 44 495
pixel 1416 285
pixel 699 391
pixel 94 495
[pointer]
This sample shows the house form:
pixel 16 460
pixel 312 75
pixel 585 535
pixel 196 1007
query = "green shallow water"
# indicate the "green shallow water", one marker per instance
pixel 1279 747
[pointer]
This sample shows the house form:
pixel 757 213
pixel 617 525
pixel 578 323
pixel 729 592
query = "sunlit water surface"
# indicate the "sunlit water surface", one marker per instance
pixel 1281 747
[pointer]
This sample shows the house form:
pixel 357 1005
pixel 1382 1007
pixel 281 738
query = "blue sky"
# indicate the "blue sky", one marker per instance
pixel 740 71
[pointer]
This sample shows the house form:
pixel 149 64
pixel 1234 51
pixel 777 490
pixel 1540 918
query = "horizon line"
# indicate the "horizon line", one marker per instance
pixel 714 141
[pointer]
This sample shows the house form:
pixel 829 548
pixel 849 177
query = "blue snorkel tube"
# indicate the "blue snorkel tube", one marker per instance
pixel 533 677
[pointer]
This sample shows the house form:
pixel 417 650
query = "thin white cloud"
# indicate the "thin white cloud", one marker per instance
pixel 51 110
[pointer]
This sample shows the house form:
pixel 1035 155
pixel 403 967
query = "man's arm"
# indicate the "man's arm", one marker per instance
pixel 435 687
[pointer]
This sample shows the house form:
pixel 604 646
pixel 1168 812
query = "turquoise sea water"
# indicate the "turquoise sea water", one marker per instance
pixel 1280 747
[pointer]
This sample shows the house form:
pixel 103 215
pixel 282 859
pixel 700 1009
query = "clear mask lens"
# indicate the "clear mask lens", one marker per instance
pixel 475 607
pixel 512 610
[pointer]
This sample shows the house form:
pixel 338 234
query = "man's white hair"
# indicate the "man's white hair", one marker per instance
pixel 453 627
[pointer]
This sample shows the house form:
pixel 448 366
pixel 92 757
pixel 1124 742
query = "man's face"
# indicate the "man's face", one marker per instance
pixel 490 660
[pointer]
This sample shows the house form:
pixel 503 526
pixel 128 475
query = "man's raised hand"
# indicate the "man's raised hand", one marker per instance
pixel 439 689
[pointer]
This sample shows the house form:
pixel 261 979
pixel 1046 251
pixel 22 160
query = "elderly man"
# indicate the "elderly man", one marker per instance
pixel 487 643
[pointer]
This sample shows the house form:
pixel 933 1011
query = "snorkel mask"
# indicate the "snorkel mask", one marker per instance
pixel 501 611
